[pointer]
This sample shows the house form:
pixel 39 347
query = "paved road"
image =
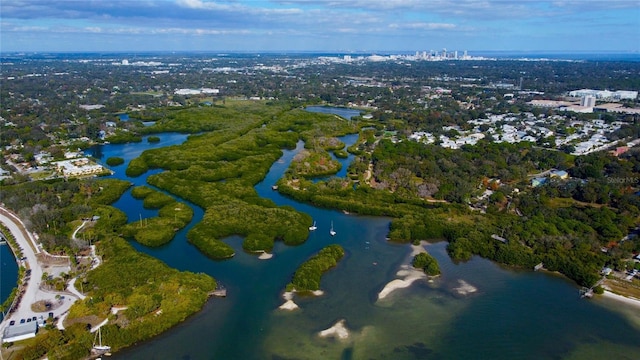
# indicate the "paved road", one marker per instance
pixel 33 292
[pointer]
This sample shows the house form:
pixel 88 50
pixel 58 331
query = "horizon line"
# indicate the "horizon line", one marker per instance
pixel 319 51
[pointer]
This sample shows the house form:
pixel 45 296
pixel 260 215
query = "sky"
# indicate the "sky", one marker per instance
pixel 320 25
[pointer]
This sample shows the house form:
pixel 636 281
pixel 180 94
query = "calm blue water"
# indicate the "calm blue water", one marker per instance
pixel 8 273
pixel 344 112
pixel 509 315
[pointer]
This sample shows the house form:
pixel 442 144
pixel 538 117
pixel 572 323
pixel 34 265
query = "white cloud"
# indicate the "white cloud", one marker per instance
pixel 199 4
pixel 424 26
pixel 235 7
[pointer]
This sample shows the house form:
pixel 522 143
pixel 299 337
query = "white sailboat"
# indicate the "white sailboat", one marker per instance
pixel 332 232
pixel 313 227
pixel 99 348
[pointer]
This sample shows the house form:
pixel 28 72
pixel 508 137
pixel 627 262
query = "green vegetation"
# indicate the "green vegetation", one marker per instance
pixel 218 170
pixel 156 297
pixel 153 139
pixel 121 137
pixel 341 154
pixel 427 263
pixel 312 164
pixel 307 276
pixel 115 161
pixel 136 167
pixel 427 190
pixel 146 286
pixel 52 207
pixel 157 231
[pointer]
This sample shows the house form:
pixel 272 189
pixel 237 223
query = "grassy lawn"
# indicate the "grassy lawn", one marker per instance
pixel 623 287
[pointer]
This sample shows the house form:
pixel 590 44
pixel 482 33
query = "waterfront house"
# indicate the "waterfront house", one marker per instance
pixel 561 174
pixel 535 182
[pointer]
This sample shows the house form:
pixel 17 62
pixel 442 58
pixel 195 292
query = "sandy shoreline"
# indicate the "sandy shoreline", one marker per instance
pixel 288 296
pixel 338 330
pixel 289 305
pixel 410 276
pixel 407 273
pixel 624 299
pixel 265 256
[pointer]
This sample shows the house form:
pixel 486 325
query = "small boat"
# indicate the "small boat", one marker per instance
pixel 274 187
pixel 332 232
pixel 313 227
pixel 99 348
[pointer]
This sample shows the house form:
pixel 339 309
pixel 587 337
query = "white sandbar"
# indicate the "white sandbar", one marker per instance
pixel 338 330
pixel 410 276
pixel 465 288
pixel 289 305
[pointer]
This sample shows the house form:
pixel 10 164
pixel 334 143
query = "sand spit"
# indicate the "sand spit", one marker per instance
pixel 408 276
pixel 265 256
pixel 288 296
pixel 289 305
pixel 407 273
pixel 417 249
pixel 465 288
pixel 338 331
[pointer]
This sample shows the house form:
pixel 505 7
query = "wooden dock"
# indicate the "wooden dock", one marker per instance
pixel 586 293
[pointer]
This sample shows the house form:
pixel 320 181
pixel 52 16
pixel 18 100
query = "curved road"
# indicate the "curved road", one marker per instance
pixel 33 293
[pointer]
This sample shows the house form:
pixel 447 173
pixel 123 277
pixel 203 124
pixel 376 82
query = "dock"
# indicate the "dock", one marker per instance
pixel 586 293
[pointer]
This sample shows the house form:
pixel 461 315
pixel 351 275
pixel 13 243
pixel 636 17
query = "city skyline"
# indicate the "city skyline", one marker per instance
pixel 319 25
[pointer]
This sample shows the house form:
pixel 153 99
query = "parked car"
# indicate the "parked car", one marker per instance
pixel 22 321
pixel 34 318
pixel 12 322
pixel 51 314
pixel 29 320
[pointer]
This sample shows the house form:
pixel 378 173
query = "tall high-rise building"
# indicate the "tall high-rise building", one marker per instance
pixel 588 101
